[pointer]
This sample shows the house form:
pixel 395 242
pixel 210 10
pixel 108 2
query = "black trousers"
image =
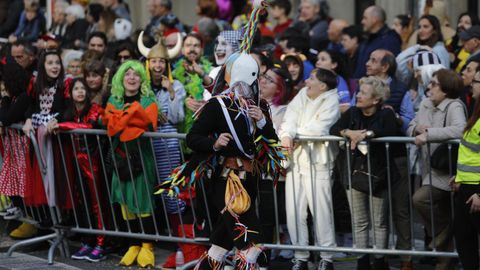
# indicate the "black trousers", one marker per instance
pixel 467 227
pixel 224 232
pixel 266 213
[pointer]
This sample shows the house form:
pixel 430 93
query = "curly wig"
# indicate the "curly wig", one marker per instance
pixel 118 90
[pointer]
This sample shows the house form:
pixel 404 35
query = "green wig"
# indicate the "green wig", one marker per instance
pixel 118 91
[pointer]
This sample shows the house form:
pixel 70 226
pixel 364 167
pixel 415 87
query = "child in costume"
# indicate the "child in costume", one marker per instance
pixel 47 103
pixel 81 113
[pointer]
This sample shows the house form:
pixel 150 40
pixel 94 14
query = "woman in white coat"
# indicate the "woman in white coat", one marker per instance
pixel 309 183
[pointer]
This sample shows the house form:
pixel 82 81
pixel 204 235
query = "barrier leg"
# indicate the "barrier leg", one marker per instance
pixel 30 242
pixel 58 243
pixel 65 248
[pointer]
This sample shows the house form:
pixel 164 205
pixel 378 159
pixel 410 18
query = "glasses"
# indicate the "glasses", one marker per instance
pixel 434 83
pixel 268 78
pixel 124 57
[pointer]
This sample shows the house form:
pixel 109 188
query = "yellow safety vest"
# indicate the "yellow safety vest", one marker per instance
pixel 468 165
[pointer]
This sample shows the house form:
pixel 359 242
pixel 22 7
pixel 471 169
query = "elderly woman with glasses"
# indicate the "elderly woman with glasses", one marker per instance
pixel 441 116
pixel 368 119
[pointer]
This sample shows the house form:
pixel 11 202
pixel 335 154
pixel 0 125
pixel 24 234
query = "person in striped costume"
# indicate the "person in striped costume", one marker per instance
pixel 170 95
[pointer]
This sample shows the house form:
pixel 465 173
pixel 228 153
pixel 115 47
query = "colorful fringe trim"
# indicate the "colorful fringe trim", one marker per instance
pixel 242 262
pixel 251 27
pixel 177 181
pixel 269 156
pixel 243 231
pixel 213 264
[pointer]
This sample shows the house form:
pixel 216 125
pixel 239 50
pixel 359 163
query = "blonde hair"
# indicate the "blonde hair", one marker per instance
pixel 380 89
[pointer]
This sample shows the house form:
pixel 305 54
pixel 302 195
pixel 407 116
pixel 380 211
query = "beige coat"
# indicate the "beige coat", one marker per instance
pixel 433 116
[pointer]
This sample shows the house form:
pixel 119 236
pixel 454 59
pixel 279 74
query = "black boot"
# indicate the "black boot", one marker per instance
pixel 380 264
pixel 363 263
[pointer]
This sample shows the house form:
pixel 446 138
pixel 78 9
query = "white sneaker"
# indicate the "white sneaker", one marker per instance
pixel 12 213
pixel 4 209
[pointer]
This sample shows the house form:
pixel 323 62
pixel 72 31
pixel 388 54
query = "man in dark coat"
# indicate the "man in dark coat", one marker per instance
pixel 379 37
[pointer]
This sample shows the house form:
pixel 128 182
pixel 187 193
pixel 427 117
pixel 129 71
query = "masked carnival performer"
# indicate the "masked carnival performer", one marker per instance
pixel 233 139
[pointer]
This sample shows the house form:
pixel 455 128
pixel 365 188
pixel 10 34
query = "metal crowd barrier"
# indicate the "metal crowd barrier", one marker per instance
pixel 96 146
pixel 41 216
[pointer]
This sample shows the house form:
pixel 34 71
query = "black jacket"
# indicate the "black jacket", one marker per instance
pixel 75 31
pixel 383 123
pixel 13 110
pixel 59 104
pixel 211 123
pixel 12 16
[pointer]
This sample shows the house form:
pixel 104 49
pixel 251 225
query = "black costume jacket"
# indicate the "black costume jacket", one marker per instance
pixel 211 123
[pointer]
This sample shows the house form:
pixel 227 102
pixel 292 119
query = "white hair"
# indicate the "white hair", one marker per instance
pixel 71 55
pixel 314 2
pixel 61 5
pixel 75 10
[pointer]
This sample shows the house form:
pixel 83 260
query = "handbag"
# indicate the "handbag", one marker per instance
pixel 361 178
pixel 237 199
pixel 134 162
pixel 439 159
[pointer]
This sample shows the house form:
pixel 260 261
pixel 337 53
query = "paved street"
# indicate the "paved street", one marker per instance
pixel 35 257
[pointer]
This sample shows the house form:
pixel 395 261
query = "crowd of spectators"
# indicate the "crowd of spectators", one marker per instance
pixel 320 75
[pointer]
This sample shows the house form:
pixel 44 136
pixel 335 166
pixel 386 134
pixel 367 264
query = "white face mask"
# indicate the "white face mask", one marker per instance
pixel 222 50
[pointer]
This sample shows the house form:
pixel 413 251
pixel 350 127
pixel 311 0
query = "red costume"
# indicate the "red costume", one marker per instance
pixel 89 169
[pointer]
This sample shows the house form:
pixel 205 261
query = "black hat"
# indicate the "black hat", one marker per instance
pixel 472 32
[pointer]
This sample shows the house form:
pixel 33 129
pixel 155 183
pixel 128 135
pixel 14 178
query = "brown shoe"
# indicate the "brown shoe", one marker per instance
pixel 406 265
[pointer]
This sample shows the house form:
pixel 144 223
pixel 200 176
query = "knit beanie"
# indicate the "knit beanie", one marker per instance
pixel 424 57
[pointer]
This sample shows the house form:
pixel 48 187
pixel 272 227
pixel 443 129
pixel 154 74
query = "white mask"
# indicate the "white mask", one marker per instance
pixel 222 50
